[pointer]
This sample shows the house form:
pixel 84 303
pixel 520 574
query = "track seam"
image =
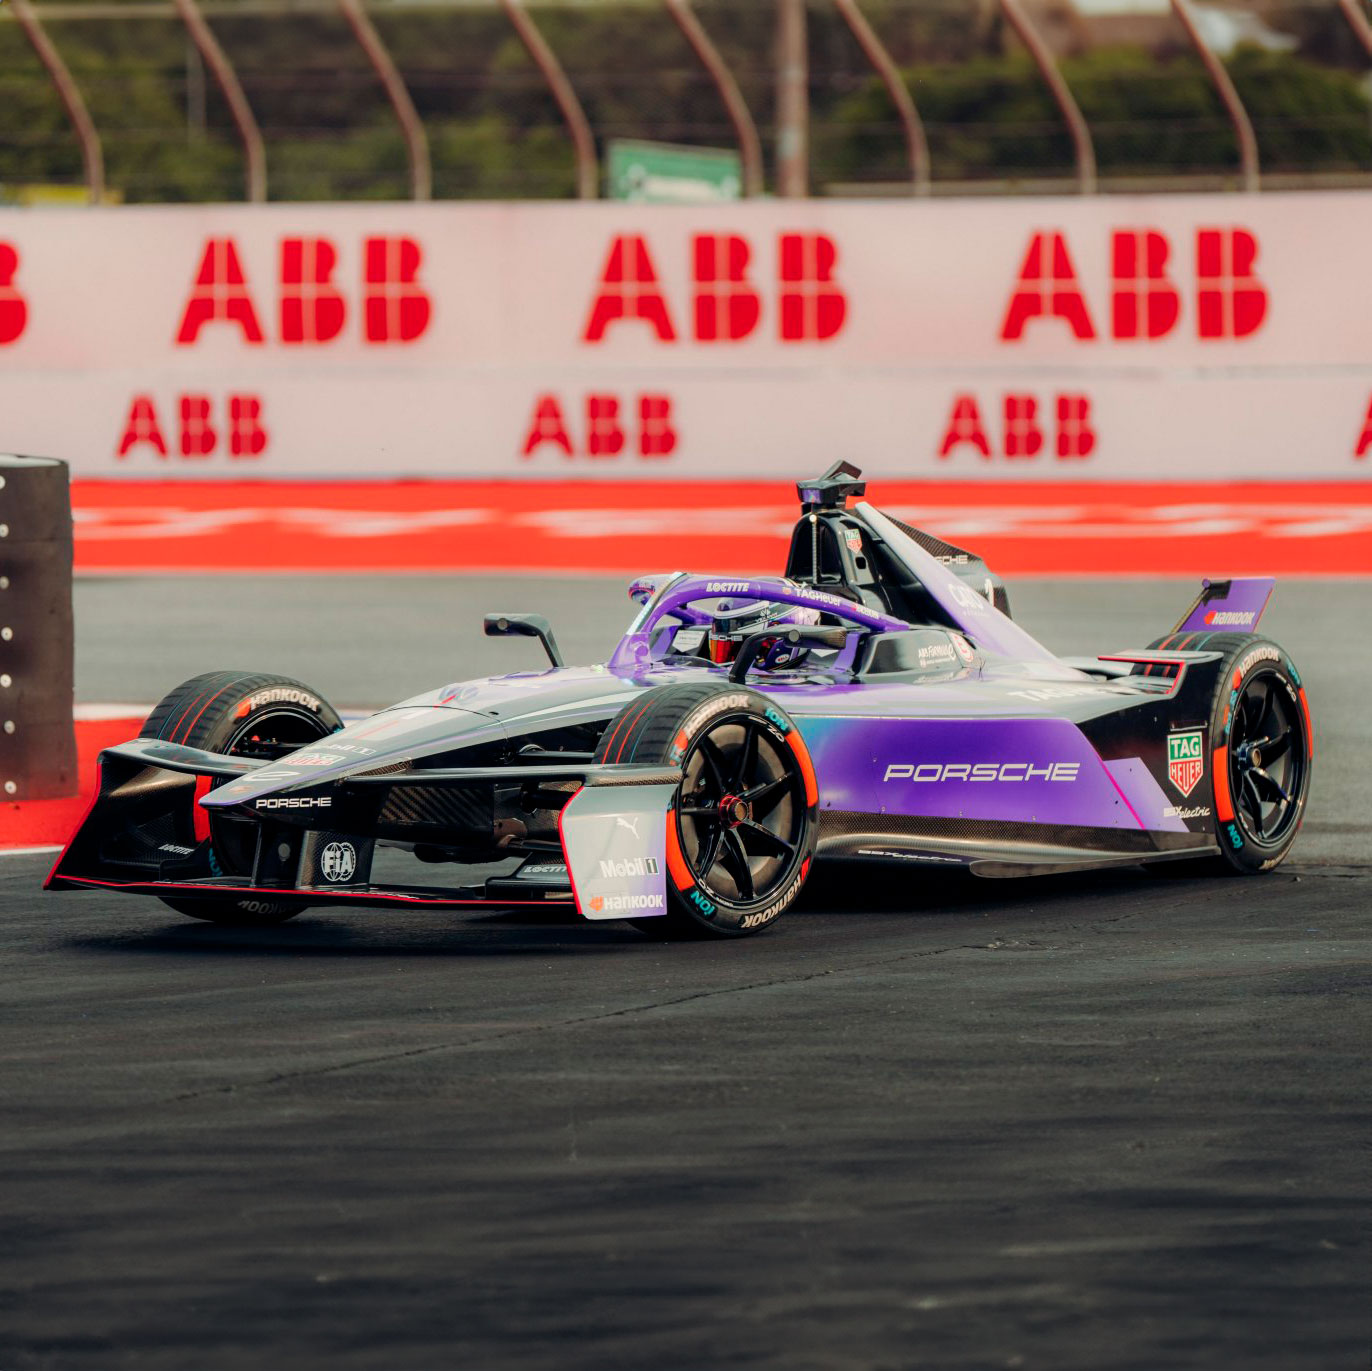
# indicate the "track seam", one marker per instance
pixel 564 1024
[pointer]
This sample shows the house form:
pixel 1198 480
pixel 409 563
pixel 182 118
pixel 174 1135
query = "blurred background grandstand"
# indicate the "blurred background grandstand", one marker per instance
pixel 489 125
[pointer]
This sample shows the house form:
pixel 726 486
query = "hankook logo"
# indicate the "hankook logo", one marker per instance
pixel 281 695
pixel 931 772
pixel 622 904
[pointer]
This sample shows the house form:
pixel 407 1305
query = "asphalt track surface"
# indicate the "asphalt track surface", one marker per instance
pixel 1095 1122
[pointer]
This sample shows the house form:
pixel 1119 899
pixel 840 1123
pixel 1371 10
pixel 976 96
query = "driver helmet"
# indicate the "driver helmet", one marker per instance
pixel 735 622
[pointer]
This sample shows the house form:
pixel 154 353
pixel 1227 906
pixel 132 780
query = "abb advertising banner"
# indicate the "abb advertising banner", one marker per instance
pixel 1168 338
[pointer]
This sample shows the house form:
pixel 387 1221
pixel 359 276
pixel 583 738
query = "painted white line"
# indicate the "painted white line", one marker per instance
pixel 94 714
pixel 29 851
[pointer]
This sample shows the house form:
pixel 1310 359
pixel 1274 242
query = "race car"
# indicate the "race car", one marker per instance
pixel 876 703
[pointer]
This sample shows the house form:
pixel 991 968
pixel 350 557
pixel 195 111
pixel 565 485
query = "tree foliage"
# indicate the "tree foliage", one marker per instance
pixel 495 131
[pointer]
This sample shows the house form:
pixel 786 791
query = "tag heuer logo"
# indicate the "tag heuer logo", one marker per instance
pixel 1185 760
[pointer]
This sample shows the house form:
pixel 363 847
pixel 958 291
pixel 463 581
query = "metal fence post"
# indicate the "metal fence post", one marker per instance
pixel 793 101
pixel 881 59
pixel 1082 146
pixel 215 59
pixel 583 141
pixel 411 126
pixel 92 157
pixel 1243 125
pixel 745 130
pixel 1353 12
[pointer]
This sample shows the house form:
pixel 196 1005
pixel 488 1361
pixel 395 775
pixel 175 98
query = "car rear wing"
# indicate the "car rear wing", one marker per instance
pixel 1235 605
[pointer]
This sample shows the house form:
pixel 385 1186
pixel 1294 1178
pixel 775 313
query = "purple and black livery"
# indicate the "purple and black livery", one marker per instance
pixel 912 723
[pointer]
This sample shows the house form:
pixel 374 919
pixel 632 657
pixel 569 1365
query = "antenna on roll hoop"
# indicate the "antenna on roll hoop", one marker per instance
pixel 831 491
pixel 827 492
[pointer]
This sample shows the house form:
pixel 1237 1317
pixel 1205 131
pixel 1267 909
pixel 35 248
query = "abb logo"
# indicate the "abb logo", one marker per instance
pixel 1365 437
pixel 605 435
pixel 312 310
pixel 1022 434
pixel 198 435
pixel 726 306
pixel 14 312
pixel 1145 302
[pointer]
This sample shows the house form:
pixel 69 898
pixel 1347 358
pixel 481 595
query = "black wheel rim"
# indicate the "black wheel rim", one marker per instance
pixel 275 731
pixel 268 735
pixel 741 816
pixel 1267 756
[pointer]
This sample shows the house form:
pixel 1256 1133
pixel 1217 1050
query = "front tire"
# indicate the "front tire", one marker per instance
pixel 239 714
pixel 741 832
pixel 1262 752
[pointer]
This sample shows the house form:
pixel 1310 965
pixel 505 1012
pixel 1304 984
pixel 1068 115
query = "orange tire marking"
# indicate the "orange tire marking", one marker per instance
pixel 1309 727
pixel 1224 804
pixel 807 768
pixel 676 863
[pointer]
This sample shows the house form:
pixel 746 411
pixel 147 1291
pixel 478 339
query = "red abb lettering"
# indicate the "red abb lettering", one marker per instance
pixel 1022 437
pixel 629 290
pixel 727 306
pixel 396 308
pixel 1230 299
pixel 247 437
pixel 1076 437
pixel 1145 303
pixel 142 427
pixel 605 433
pixel 965 426
pixel 312 310
pixel 198 438
pixel 604 437
pixel 656 434
pixel 813 308
pixel 220 292
pixel 547 426
pixel 1047 285
pixel 14 311
pixel 1365 439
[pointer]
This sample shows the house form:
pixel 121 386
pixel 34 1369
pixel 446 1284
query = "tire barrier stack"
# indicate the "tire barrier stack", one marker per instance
pixel 37 739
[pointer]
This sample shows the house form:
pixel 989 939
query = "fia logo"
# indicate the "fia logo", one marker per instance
pixel 338 861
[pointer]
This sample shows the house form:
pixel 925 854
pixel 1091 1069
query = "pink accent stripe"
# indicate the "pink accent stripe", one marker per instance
pixel 341 896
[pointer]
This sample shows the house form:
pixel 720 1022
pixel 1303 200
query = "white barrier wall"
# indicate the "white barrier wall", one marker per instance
pixel 1178 337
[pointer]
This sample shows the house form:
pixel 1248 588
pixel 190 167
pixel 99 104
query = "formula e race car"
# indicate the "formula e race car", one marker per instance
pixel 876 703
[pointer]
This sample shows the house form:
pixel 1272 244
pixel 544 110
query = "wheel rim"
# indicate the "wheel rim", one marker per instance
pixel 270 735
pixel 275 732
pixel 741 817
pixel 1267 752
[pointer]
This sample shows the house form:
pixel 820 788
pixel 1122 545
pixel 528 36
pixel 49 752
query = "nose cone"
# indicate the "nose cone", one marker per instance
pixel 391 738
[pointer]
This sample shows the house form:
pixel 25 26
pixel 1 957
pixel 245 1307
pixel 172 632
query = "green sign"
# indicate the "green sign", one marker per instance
pixel 668 174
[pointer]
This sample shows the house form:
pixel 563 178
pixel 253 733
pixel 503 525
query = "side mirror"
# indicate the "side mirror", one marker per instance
pixel 753 644
pixel 524 626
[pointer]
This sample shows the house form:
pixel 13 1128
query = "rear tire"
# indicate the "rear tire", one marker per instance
pixel 1261 752
pixel 741 832
pixel 239 714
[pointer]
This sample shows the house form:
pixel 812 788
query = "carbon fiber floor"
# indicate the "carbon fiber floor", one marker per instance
pixel 1110 1123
